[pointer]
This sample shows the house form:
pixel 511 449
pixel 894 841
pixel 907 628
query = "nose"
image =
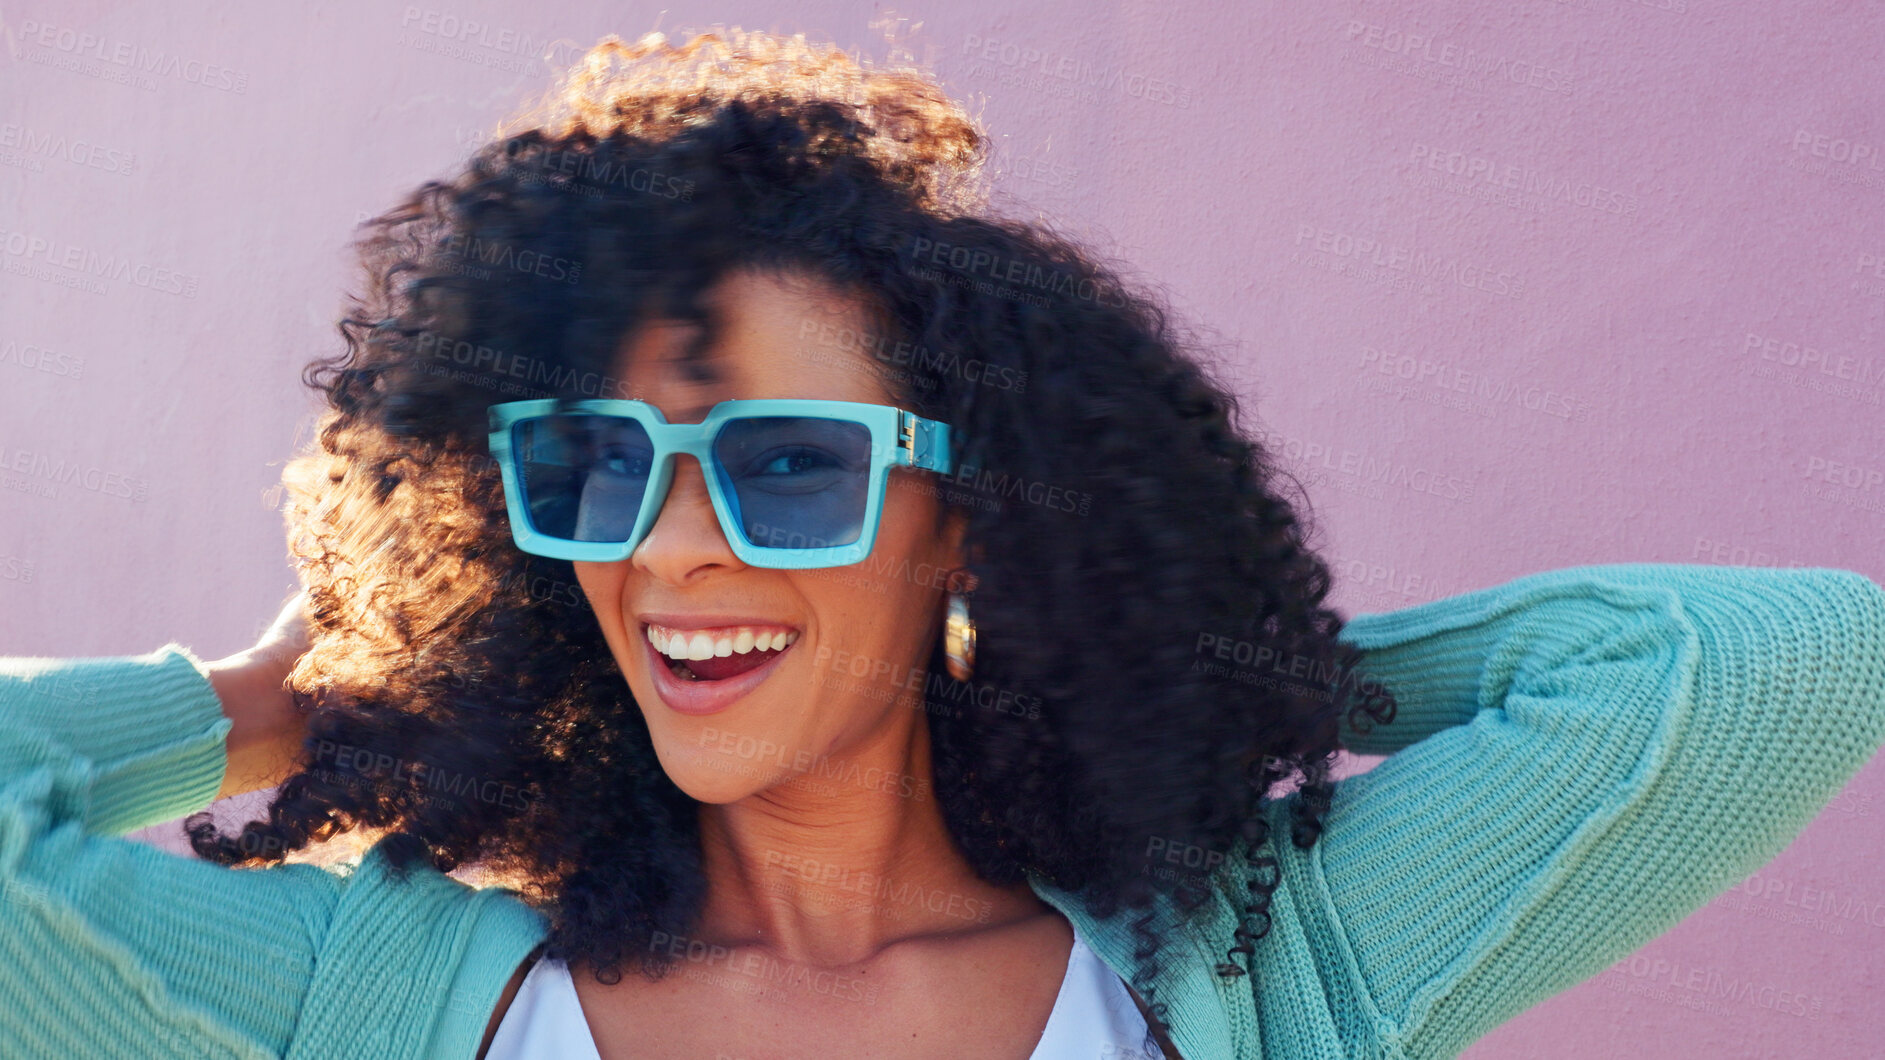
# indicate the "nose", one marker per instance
pixel 685 541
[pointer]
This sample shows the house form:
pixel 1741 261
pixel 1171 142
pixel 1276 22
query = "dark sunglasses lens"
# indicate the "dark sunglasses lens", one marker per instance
pixel 583 477
pixel 799 481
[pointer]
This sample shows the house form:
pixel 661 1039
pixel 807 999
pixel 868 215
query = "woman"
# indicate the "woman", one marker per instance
pixel 905 653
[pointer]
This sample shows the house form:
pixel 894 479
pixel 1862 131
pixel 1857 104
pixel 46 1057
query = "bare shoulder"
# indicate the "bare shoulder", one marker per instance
pixel 504 1000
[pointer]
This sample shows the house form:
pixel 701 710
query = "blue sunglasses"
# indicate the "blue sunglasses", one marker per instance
pixel 795 483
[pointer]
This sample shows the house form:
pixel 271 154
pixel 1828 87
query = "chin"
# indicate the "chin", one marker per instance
pixel 704 786
pixel 707 777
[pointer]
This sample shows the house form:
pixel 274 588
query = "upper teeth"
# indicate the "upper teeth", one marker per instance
pixel 708 644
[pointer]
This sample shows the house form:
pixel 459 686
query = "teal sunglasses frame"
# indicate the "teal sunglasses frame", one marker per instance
pixel 899 438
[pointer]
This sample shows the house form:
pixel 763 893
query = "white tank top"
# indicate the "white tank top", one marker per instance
pixel 1094 1016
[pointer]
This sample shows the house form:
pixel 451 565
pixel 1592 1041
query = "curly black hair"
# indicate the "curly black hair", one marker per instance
pixel 464 704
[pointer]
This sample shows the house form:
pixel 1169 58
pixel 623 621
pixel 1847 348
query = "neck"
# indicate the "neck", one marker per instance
pixel 833 865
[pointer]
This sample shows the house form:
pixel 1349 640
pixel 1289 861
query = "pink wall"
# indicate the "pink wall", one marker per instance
pixel 1518 286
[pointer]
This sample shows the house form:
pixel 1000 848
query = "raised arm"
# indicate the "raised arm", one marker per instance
pixel 1582 758
pixel 110 947
pixel 267 727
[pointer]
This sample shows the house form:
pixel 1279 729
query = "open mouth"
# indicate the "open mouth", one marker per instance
pixel 717 654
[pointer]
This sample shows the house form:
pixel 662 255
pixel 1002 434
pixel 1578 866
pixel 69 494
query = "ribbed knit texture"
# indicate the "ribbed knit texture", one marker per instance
pixel 1582 757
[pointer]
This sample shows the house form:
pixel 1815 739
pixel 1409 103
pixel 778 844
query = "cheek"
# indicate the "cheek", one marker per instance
pixel 906 575
pixel 602 587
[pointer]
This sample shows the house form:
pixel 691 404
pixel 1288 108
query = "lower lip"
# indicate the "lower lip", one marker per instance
pixel 703 697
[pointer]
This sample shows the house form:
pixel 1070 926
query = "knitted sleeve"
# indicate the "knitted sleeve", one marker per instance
pixel 1583 757
pixel 110 947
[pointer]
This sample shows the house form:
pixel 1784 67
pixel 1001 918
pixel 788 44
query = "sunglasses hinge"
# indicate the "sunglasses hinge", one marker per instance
pixel 922 443
pixel 906 437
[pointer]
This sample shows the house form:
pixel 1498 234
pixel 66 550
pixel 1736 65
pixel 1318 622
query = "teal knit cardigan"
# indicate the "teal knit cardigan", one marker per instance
pixel 1582 757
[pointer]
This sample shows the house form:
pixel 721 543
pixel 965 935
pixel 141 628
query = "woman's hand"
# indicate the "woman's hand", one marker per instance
pixel 252 684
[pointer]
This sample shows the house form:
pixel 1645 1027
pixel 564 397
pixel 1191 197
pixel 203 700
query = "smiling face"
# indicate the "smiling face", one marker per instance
pixel 721 740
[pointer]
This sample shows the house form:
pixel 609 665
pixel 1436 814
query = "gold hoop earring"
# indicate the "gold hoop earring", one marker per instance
pixel 959 639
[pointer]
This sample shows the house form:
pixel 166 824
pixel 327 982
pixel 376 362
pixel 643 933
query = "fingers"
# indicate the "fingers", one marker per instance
pixel 288 637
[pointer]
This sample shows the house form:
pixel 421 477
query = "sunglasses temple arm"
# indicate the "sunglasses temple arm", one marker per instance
pixel 926 440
